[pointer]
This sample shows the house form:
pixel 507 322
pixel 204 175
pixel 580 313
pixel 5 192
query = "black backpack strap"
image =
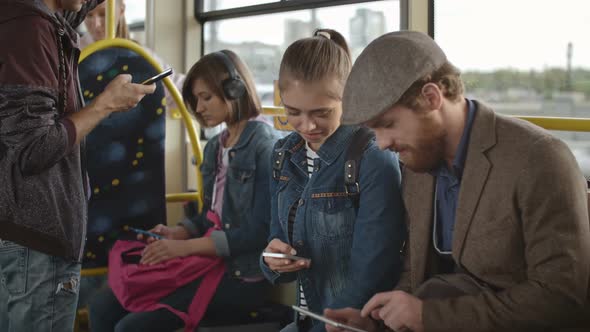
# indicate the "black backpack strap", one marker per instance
pixel 277 163
pixel 359 141
pixel 279 156
pixel 133 255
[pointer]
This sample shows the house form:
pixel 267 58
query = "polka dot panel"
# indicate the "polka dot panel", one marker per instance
pixel 124 156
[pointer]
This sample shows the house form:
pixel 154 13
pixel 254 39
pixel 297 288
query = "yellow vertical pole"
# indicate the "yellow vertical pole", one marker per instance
pixel 110 19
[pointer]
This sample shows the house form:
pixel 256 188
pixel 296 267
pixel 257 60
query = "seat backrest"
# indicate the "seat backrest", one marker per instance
pixel 124 156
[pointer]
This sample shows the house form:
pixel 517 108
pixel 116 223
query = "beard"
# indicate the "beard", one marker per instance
pixel 428 153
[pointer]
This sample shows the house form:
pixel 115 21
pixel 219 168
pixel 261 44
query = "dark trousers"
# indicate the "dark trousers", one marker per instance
pixel 233 297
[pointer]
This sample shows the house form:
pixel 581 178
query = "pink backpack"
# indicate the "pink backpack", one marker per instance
pixel 139 288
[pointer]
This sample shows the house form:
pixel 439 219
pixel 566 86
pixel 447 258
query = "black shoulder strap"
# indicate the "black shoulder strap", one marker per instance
pixel 278 158
pixel 354 154
pixel 277 163
pixel 133 255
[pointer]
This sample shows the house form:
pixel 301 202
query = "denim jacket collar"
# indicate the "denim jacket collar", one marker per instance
pixel 328 152
pixel 248 133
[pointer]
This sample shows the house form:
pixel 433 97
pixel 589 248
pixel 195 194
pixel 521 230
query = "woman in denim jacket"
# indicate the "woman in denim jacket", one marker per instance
pixel 352 251
pixel 236 173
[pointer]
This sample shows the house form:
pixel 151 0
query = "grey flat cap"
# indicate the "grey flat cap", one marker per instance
pixel 383 72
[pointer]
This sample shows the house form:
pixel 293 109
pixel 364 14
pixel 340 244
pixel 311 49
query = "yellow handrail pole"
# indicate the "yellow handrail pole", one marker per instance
pixel 558 123
pixel 193 137
pixel 547 122
pixel 192 133
pixel 273 111
pixel 190 126
pixel 182 197
pixel 98 271
pixel 110 23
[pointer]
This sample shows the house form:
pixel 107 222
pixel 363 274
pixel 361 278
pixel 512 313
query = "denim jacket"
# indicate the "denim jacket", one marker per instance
pixel 354 253
pixel 246 199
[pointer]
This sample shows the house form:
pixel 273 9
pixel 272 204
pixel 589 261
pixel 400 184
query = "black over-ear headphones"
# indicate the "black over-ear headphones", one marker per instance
pixel 233 87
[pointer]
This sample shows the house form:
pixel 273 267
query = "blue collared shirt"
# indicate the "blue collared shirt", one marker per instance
pixel 448 183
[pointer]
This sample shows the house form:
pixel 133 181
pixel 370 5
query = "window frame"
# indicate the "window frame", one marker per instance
pixel 282 6
pixel 431 18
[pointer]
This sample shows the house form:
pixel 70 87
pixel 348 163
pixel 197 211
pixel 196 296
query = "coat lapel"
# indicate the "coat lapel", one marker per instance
pixel 475 174
pixel 418 196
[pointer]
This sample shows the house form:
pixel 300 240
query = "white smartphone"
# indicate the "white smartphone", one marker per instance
pixel 326 320
pixel 281 255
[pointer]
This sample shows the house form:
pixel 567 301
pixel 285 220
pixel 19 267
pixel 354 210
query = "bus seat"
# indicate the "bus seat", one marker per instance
pixel 125 156
pixel 125 162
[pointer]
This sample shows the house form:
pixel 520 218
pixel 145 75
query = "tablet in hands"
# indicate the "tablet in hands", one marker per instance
pixel 326 320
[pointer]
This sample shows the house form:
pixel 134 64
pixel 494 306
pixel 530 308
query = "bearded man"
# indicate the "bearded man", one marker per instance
pixel 496 207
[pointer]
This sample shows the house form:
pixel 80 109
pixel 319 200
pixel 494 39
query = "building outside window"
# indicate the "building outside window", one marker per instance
pixel 260 40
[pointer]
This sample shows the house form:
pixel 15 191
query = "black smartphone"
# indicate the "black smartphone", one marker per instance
pixel 158 77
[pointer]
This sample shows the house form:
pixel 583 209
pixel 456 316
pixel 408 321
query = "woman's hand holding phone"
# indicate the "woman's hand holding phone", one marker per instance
pixel 283 265
pixel 163 250
pixel 170 233
pixel 166 243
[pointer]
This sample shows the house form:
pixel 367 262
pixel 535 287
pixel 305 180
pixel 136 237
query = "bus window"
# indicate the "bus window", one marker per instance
pixel 524 57
pixel 261 39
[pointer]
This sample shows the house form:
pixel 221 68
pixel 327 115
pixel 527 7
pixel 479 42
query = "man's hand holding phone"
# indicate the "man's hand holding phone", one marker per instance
pixel 157 77
pixel 121 94
pixel 281 257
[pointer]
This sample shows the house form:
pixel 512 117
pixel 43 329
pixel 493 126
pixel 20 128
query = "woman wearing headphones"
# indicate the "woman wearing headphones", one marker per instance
pixel 218 88
pixel 349 233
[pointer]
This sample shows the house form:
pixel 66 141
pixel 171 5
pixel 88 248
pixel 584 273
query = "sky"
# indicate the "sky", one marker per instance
pixel 522 34
pixel 475 34
pixel 135 10
pixel 270 28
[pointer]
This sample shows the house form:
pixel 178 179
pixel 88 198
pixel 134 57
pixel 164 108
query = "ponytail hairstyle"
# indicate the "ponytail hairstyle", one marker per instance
pixel 122 29
pixel 324 56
